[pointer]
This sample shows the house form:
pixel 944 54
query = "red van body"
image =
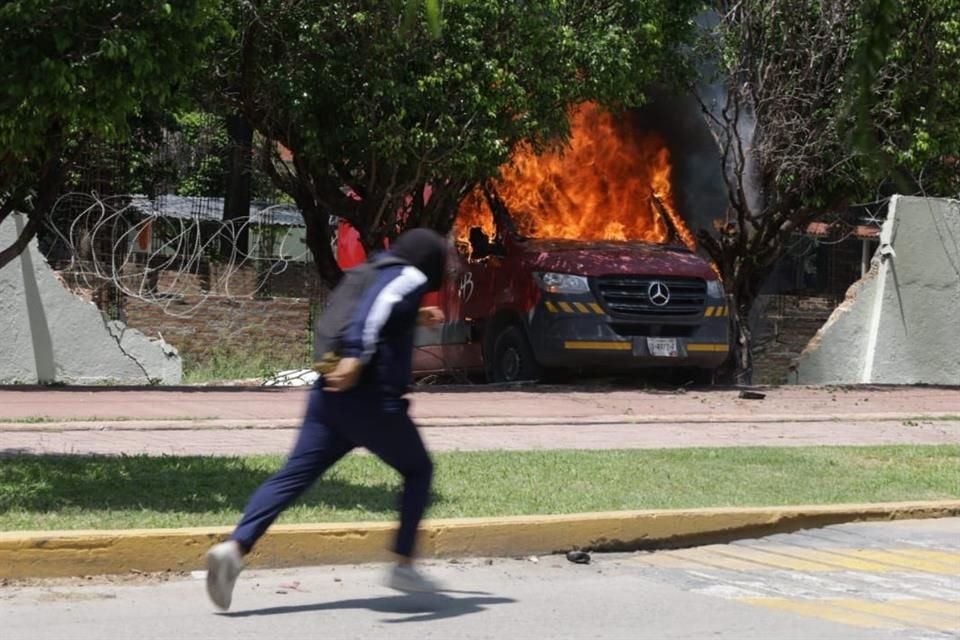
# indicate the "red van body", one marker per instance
pixel 516 306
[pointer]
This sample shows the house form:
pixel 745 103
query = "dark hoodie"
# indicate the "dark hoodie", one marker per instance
pixel 381 330
pixel 424 249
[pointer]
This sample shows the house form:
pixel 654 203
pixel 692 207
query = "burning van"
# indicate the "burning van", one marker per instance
pixel 578 260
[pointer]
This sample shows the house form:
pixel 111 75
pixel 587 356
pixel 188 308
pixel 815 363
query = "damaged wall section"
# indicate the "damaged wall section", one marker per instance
pixel 48 334
pixel 899 324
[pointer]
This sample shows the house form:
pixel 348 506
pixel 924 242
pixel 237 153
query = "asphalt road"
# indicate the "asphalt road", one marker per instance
pixel 877 581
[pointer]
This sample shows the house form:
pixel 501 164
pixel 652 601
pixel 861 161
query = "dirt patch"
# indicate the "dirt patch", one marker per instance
pixel 8 586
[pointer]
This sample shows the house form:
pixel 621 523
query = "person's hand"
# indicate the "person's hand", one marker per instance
pixel 344 376
pixel 429 316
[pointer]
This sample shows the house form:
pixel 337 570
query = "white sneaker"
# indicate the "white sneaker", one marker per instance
pixel 407 579
pixel 224 563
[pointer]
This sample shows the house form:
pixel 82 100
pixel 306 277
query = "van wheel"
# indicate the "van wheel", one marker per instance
pixel 513 358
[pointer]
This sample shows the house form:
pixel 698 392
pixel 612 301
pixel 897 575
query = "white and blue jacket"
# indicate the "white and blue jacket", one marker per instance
pixel 381 330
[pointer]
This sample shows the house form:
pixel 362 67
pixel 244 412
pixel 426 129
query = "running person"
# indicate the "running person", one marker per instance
pixel 359 403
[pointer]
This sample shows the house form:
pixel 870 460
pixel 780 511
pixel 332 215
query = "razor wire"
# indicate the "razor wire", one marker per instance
pixel 102 248
pixel 104 244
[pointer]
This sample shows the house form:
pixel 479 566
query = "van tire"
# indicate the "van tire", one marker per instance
pixel 513 359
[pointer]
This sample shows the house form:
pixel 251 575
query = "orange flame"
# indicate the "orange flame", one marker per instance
pixel 605 185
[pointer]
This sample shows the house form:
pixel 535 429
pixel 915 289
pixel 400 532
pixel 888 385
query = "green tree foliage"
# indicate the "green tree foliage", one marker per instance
pixel 912 101
pixel 75 73
pixel 374 112
pixel 201 141
pixel 825 103
pixel 432 10
pixel 198 145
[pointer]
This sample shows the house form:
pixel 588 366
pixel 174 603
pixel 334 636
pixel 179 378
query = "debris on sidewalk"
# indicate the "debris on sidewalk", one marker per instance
pixel 752 395
pixel 578 557
pixel 292 586
pixel 292 378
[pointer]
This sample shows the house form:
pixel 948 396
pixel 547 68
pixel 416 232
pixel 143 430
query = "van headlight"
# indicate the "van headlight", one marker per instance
pixel 561 283
pixel 714 289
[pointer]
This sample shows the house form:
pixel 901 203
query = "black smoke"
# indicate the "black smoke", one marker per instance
pixel 698 185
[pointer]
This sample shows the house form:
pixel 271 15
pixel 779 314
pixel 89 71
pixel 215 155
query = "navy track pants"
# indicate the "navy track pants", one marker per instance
pixel 335 423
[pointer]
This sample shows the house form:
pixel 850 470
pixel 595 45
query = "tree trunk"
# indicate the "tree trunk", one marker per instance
pixel 28 233
pixel 12 204
pixel 742 337
pixel 318 241
pixel 49 181
pixel 374 240
pixel 738 367
pixel 236 204
pixel 298 183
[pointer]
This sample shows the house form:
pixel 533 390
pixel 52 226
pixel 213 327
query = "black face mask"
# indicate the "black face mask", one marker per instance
pixel 424 249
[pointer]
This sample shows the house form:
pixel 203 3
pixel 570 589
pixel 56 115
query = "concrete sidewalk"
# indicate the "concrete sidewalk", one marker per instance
pixel 557 404
pixel 139 438
pixel 246 420
pixel 473 404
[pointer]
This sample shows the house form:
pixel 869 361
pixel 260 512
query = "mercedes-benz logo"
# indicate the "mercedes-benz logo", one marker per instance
pixel 658 293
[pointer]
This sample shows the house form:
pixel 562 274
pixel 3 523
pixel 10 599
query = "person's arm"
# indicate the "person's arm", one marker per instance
pixel 399 294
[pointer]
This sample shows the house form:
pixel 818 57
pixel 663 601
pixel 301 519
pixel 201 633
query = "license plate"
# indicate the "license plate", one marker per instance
pixel 663 347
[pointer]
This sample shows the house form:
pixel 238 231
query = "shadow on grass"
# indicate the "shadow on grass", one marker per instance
pixel 164 484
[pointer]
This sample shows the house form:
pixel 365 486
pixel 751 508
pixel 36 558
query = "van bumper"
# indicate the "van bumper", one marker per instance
pixel 574 333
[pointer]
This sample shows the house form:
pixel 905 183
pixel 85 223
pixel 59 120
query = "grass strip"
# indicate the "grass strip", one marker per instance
pixel 96 492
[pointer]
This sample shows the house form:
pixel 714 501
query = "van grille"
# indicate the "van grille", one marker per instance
pixel 630 295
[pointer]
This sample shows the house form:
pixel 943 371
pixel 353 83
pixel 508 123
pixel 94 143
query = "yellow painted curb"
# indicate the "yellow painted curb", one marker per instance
pixel 77 553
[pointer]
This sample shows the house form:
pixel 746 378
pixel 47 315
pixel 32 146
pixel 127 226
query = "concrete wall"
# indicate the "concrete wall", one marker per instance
pixel 899 325
pixel 48 334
